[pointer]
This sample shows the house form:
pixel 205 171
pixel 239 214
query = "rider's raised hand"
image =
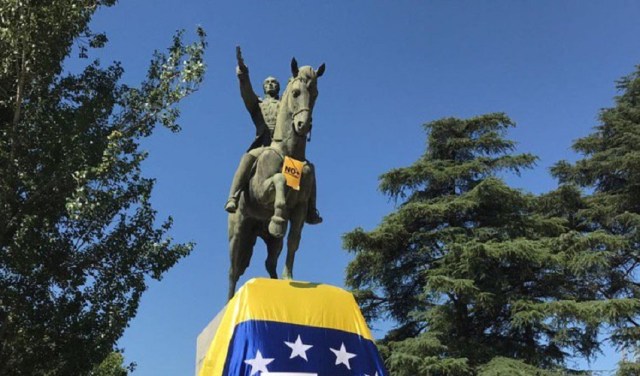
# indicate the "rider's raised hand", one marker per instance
pixel 241 68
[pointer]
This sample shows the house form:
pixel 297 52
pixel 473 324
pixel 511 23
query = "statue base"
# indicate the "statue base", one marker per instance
pixel 280 327
pixel 206 337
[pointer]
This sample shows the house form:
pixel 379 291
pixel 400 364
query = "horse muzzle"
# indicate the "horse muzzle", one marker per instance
pixel 302 122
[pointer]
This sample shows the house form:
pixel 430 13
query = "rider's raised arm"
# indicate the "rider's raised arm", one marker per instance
pixel 249 97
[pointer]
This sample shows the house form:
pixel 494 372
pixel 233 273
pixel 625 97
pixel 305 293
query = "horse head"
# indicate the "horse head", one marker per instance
pixel 298 100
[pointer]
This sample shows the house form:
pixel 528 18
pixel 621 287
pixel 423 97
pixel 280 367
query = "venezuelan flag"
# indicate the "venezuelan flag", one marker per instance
pixel 285 328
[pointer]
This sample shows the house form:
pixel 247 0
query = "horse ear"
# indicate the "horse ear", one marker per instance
pixel 320 70
pixel 294 67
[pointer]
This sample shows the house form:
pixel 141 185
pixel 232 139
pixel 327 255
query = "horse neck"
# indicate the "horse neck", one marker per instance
pixel 290 144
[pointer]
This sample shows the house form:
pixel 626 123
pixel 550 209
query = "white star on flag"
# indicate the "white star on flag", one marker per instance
pixel 298 348
pixel 259 364
pixel 342 356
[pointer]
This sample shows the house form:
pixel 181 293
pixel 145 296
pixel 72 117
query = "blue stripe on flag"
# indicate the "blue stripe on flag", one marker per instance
pixel 258 347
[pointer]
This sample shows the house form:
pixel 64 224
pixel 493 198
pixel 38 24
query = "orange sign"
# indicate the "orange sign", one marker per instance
pixel 292 170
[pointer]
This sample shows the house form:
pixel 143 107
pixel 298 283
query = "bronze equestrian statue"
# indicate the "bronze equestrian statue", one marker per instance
pixel 264 112
pixel 265 204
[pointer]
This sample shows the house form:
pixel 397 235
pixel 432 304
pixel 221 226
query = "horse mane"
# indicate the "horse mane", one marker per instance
pixel 284 114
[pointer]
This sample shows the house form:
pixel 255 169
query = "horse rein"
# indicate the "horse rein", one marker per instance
pixel 307 109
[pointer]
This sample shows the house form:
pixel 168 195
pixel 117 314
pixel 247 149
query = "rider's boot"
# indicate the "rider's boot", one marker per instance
pixel 313 215
pixel 240 180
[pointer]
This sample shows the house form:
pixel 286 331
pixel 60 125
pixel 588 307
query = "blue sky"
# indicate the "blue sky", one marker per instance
pixel 391 66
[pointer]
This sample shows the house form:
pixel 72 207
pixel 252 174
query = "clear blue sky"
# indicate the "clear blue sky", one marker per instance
pixel 391 66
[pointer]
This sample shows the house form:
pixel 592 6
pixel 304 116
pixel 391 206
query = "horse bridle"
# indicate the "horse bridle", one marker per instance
pixel 307 109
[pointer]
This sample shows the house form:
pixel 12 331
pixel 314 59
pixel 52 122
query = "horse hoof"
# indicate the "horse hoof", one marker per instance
pixel 277 226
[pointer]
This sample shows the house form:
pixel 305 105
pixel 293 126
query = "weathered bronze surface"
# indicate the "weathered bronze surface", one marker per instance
pixel 260 202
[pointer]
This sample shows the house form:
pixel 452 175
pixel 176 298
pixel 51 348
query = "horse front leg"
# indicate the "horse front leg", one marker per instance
pixel 274 247
pixel 278 222
pixel 298 217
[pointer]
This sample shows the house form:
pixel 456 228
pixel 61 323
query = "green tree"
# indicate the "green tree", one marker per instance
pixel 112 365
pixel 78 235
pixel 626 368
pixel 610 172
pixel 465 261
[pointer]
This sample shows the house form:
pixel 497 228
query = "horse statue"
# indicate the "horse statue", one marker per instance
pixel 267 206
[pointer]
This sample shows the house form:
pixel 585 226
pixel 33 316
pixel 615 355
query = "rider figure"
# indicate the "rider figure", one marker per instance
pixel 263 113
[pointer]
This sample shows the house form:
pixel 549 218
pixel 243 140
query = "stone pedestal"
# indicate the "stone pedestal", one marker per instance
pixel 205 338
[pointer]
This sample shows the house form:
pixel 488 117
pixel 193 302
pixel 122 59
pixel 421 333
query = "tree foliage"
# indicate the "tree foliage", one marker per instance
pixel 112 365
pixel 610 172
pixel 77 231
pixel 466 265
pixel 483 279
pixel 626 368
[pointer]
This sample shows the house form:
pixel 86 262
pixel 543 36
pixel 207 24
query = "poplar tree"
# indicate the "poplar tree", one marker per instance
pixel 463 263
pixel 78 234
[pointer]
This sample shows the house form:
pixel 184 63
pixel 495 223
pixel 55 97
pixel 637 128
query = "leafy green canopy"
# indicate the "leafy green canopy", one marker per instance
pixel 463 260
pixel 112 365
pixel 77 233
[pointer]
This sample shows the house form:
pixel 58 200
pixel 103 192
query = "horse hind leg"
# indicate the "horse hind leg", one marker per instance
pixel 274 248
pixel 241 249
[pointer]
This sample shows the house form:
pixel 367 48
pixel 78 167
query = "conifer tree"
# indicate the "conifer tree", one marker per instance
pixel 610 173
pixel 78 234
pixel 464 261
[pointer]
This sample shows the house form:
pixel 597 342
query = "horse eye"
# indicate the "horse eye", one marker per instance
pixel 295 93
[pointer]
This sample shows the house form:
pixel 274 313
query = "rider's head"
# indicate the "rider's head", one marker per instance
pixel 271 87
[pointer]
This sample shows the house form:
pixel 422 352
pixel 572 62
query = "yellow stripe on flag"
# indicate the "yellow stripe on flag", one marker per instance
pixel 285 301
